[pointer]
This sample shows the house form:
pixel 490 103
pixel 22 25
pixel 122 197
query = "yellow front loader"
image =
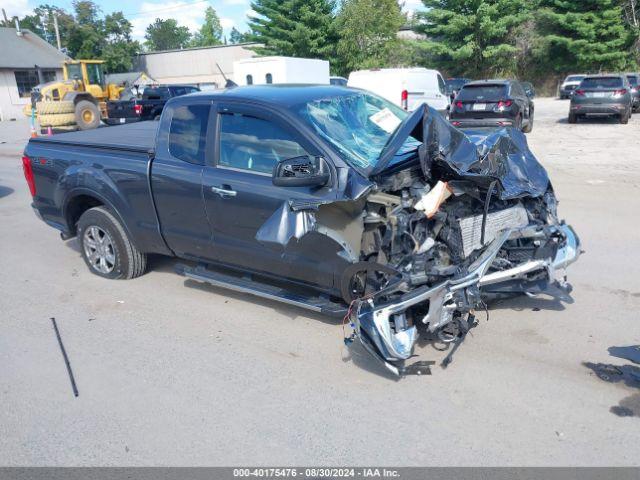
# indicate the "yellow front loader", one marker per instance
pixel 79 100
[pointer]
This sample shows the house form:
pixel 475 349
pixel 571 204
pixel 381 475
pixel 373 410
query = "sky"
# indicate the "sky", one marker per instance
pixel 190 13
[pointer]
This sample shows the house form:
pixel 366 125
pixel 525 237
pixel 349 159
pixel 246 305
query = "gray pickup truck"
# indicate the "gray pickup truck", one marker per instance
pixel 327 198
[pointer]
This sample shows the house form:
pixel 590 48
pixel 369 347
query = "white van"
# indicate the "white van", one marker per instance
pixel 266 70
pixel 407 87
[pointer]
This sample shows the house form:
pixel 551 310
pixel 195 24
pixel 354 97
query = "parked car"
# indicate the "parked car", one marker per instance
pixel 634 84
pixel 148 107
pixel 406 87
pixel 339 81
pixel 493 103
pixel 569 85
pixel 316 196
pixel 453 86
pixel 602 95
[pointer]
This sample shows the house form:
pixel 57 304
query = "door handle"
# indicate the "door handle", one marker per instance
pixel 224 192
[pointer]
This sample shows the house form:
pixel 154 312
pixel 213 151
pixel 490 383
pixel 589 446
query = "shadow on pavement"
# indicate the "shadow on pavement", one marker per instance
pixel 627 375
pixel 5 191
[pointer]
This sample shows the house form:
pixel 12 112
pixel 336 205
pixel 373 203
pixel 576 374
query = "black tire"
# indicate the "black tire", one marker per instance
pixel 125 261
pixel 87 115
pixel 624 118
pixel 529 126
pixel 573 118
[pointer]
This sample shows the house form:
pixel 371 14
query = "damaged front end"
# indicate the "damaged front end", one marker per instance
pixel 475 221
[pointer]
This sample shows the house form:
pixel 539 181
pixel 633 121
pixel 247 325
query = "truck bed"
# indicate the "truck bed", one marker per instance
pixel 138 137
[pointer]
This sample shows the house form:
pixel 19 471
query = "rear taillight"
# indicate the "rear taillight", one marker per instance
pixel 137 109
pixel 455 124
pixel 579 93
pixel 404 99
pixel 28 174
pixel 619 93
pixel 459 105
pixel 504 103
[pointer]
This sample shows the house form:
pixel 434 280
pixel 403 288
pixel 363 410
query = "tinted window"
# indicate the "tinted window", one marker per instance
pixel 633 80
pixel 516 89
pixel 187 133
pixel 601 82
pixel 482 92
pixel 268 78
pixel 250 143
pixel 574 78
pixel 249 79
pixel 155 93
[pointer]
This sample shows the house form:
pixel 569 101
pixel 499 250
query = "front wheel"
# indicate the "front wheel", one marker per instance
pixel 87 115
pixel 106 247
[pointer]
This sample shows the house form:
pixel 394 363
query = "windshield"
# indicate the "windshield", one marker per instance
pixel 73 71
pixel 601 82
pixel 358 125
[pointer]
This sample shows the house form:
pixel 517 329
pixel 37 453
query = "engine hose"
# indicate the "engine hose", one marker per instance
pixel 487 200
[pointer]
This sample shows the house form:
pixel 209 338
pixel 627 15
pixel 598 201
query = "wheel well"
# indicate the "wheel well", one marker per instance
pixel 77 206
pixel 79 98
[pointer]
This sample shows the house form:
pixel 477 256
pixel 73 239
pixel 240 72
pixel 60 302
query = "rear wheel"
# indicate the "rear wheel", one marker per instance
pixel 529 126
pixel 573 118
pixel 106 247
pixel 624 117
pixel 87 115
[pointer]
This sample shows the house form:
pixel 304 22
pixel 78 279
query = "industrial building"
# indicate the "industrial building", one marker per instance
pixel 195 66
pixel 26 61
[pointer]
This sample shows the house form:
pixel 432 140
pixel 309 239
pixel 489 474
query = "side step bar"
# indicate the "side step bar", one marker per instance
pixel 262 290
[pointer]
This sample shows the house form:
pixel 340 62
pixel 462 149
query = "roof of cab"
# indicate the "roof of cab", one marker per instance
pixel 278 95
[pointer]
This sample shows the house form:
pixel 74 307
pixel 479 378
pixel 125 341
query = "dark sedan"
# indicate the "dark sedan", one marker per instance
pixel 493 103
pixel 602 95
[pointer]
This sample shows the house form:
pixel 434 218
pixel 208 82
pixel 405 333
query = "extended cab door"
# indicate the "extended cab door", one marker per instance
pixel 240 196
pixel 176 178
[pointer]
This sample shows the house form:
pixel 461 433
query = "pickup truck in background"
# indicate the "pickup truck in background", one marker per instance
pixel 148 107
pixel 324 197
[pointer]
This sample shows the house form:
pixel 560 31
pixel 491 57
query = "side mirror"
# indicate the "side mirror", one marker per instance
pixel 303 171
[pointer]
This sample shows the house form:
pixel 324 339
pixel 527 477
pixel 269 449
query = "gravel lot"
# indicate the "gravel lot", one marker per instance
pixel 172 372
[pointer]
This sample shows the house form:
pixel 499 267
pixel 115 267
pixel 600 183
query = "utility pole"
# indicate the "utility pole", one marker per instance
pixel 55 25
pixel 6 20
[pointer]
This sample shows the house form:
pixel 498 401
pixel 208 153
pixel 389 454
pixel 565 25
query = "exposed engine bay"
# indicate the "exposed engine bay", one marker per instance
pixel 469 218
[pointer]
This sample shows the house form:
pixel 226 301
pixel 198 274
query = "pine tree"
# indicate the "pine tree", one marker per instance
pixel 583 36
pixel 296 28
pixel 476 38
pixel 368 32
pixel 210 32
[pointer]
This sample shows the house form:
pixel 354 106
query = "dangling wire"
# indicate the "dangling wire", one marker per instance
pixel 487 200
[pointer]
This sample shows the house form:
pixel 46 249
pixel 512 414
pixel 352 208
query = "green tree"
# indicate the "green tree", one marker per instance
pixel 583 35
pixel 295 28
pixel 368 34
pixel 119 49
pixel 210 32
pixel 475 38
pixel 166 35
pixel 86 35
pixel 235 36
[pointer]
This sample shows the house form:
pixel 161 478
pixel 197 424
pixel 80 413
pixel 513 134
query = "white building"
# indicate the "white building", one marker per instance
pixel 194 66
pixel 26 60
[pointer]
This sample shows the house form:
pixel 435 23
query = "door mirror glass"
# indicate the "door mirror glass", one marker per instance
pixel 303 171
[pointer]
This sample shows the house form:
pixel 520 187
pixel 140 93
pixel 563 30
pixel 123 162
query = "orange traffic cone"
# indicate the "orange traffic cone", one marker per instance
pixel 49 131
pixel 34 134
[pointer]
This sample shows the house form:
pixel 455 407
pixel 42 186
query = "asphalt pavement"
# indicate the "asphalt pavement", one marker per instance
pixel 173 372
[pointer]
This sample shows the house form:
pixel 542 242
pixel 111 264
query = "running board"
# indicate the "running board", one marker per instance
pixel 262 290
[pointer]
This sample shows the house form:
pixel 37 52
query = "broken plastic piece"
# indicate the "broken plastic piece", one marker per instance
pixel 431 201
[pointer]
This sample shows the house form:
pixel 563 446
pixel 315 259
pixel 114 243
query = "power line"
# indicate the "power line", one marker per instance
pixel 175 7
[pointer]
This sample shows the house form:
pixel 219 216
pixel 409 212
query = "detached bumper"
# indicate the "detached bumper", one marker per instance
pixel 376 326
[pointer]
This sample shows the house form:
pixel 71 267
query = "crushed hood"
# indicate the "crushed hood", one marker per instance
pixel 476 156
